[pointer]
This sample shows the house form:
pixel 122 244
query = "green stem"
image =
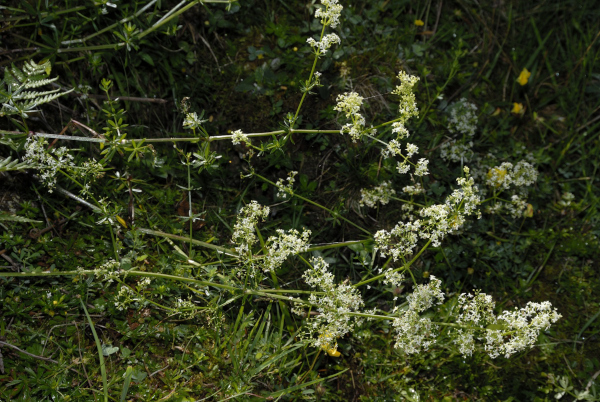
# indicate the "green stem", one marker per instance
pixel 190 204
pixel 108 28
pixel 114 242
pixel 219 249
pixel 312 71
pixel 42 15
pixel 100 354
pixel 406 266
pixel 336 245
pixel 163 21
pixel 333 213
pixel 408 202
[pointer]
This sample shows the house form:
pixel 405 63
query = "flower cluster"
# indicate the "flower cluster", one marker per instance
pixel 243 231
pixel 237 137
pixel 414 333
pixel 400 241
pixel 520 175
pixel 421 168
pixel 408 105
pixel 436 221
pixel 415 189
pixel 506 334
pixel 283 246
pixel 330 15
pixel 349 104
pixel 457 151
pixel 192 121
pixel 407 109
pixel 463 118
pixel 50 160
pixel 286 189
pixel 381 193
pixel 325 43
pixel 333 304
pixel 566 199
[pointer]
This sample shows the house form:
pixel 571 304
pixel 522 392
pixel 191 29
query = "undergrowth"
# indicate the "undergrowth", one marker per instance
pixel 190 213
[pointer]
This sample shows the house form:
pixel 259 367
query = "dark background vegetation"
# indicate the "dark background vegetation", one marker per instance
pixel 244 68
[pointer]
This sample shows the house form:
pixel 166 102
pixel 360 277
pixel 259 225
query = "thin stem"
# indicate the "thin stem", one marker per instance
pixel 408 202
pixel 312 71
pixel 219 249
pixel 108 28
pixel 190 204
pixel 335 214
pixel 336 245
pixel 397 269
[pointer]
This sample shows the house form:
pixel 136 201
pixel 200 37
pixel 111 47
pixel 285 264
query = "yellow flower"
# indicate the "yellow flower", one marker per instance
pixel 517 108
pixel 419 23
pixel 524 77
pixel 331 351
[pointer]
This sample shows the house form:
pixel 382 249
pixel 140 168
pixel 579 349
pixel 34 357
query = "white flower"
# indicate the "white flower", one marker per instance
pixel 506 334
pixel 408 106
pixel 238 137
pixel 243 233
pixel 349 103
pixel 381 193
pixel 192 121
pixel 334 305
pixel 414 190
pixel 330 14
pixel 421 169
pixel 411 149
pixel 322 46
pixel 522 174
pixel 456 151
pixel 414 333
pixel 403 167
pixel 463 118
pixel 286 189
pixel 393 148
pixel 399 129
pixel 283 246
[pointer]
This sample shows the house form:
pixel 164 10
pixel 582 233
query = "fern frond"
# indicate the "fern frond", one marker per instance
pixel 16 75
pixel 40 82
pixel 7 164
pixel 13 95
pixel 14 218
pixel 41 100
pixel 34 94
pixel 31 68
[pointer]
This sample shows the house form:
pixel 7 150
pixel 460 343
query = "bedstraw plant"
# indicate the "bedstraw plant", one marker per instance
pixel 267 292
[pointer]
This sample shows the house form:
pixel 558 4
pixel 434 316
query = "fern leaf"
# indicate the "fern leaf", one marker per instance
pixel 17 74
pixel 13 95
pixel 29 105
pixel 8 164
pixel 40 82
pixel 33 94
pixel 7 217
pixel 31 68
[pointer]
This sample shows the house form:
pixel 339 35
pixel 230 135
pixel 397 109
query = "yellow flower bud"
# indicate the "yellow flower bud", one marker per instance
pixel 419 23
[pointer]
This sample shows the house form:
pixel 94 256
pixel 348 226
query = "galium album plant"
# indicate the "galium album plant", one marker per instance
pixel 332 307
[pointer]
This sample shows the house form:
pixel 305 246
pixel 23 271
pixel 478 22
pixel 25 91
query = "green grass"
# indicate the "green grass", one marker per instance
pixel 200 330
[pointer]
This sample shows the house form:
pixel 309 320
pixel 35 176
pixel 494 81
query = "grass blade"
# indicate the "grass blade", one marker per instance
pixel 100 355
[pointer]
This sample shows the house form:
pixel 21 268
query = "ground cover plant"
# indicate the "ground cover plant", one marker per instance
pixel 267 200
